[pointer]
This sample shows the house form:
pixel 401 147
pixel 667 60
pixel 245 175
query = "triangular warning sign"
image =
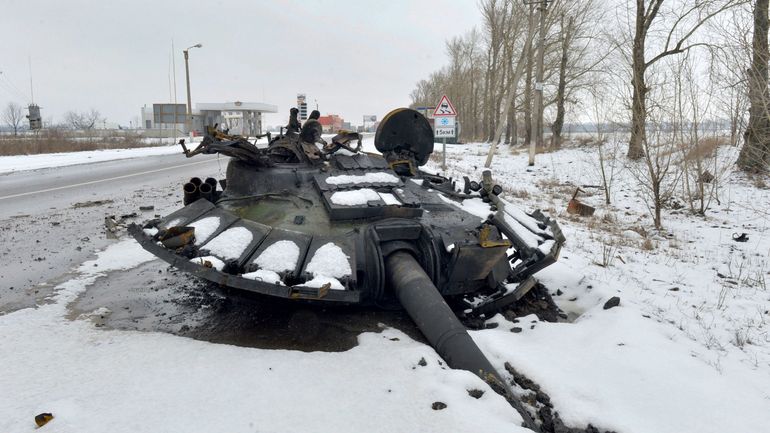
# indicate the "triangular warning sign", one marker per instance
pixel 444 108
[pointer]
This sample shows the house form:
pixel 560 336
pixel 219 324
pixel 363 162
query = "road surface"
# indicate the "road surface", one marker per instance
pixel 42 236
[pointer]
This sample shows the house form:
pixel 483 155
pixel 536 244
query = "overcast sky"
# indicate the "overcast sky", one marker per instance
pixel 354 57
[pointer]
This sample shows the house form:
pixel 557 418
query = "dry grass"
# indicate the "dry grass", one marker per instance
pixel 648 245
pixel 547 183
pixel 706 148
pixel 54 140
pixel 519 193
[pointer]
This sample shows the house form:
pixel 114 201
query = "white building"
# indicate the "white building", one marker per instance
pixel 240 118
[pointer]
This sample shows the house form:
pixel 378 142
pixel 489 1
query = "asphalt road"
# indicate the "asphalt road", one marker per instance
pixel 43 235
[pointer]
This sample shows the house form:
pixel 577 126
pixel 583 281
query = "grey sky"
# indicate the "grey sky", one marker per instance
pixel 354 57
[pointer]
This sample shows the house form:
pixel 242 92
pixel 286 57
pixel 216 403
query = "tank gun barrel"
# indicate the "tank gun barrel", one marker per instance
pixel 425 305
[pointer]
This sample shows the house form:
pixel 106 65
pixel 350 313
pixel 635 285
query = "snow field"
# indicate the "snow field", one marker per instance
pixel 688 349
pixel 96 380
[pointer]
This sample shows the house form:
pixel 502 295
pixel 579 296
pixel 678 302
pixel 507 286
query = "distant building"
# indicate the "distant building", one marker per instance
pixel 241 118
pixel 331 123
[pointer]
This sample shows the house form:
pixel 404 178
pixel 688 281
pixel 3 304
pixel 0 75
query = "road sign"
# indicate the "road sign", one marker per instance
pixel 444 108
pixel 444 132
pixel 444 122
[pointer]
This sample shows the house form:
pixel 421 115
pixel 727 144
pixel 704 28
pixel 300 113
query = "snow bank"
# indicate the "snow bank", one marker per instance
pixel 13 163
pixel 231 243
pixel 356 197
pixel 623 372
pixel 279 257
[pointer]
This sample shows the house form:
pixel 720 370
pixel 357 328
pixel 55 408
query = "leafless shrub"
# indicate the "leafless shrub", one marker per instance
pixel 85 120
pixel 13 116
pixel 609 249
pixel 648 245
pixel 608 218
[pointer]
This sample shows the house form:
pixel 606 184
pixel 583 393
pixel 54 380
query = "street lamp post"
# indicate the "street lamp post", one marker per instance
pixel 189 100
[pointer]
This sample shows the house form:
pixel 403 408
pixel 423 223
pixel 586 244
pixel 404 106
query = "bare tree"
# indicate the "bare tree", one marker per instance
pixel 685 18
pixel 511 93
pixel 13 116
pixel 83 120
pixel 755 154
pixel 658 171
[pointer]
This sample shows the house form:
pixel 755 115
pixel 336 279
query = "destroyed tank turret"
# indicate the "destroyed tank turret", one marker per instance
pixel 335 224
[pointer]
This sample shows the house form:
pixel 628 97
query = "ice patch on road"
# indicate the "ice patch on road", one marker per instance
pixel 125 254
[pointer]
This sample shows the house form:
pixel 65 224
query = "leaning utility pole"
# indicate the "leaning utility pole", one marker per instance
pixel 189 100
pixel 536 136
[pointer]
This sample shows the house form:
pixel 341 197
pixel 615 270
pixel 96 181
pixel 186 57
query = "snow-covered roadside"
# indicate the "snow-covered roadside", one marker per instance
pixel 9 164
pixel 689 347
pixel 96 380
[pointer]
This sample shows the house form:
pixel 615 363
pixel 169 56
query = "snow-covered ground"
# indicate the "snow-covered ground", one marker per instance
pixel 687 350
pixel 13 163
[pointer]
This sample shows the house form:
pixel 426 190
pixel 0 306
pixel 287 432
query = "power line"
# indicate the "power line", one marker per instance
pixel 11 88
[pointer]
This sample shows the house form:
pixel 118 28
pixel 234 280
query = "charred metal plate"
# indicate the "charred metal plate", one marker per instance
pixel 326 181
pixel 186 214
pixel 346 245
pixel 405 129
pixel 346 162
pixel 471 263
pixel 258 233
pixel 226 219
pixel 369 161
pixel 301 240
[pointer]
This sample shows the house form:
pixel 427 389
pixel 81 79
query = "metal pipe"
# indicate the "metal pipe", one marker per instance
pixel 441 327
pixel 207 192
pixel 196 180
pixel 191 193
pixel 213 182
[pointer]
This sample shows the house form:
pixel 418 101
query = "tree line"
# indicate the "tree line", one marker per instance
pixel 532 65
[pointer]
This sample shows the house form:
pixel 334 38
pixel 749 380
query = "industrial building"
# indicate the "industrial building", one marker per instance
pixel 241 118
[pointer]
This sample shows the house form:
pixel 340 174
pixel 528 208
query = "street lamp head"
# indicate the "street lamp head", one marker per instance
pixel 198 45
